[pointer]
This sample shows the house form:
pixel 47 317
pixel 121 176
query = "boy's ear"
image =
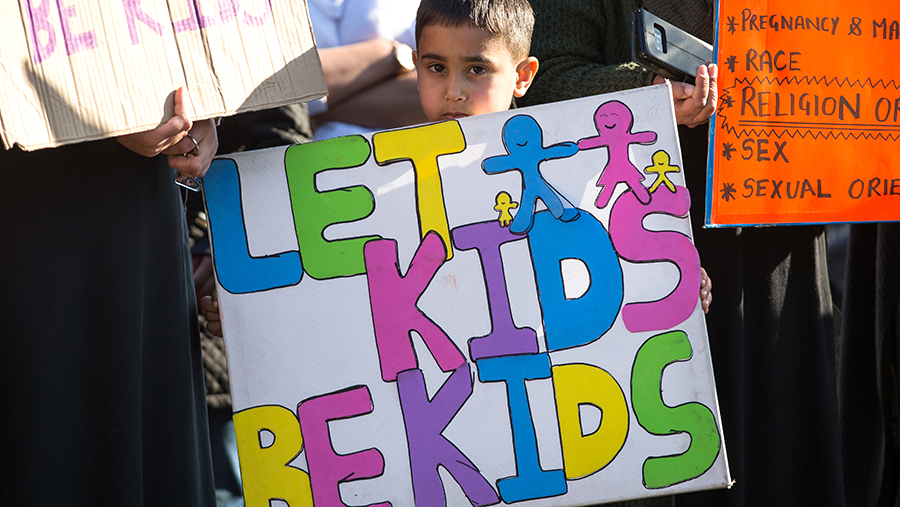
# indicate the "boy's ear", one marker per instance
pixel 525 71
pixel 415 55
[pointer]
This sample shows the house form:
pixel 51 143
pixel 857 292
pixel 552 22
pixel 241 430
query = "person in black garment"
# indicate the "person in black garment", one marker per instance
pixel 771 336
pixel 104 400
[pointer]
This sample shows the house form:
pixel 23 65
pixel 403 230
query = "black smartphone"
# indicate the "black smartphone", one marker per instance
pixel 666 49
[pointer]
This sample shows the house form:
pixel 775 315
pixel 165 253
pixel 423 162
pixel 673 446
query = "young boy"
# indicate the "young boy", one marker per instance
pixel 472 56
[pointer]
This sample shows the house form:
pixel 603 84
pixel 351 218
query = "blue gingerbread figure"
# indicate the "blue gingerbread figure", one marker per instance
pixel 614 121
pixel 524 143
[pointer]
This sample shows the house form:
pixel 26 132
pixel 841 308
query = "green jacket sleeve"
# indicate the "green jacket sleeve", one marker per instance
pixel 583 48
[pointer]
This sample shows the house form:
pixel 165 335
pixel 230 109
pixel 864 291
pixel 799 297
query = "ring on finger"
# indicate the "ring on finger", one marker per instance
pixel 196 150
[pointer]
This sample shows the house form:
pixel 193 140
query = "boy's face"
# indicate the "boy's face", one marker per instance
pixel 464 71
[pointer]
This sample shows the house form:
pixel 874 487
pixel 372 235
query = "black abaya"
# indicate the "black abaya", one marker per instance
pixel 102 378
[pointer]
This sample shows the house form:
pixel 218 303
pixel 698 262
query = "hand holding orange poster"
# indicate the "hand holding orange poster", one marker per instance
pixel 808 119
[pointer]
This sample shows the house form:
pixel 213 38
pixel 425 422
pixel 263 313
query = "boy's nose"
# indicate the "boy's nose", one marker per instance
pixel 456 90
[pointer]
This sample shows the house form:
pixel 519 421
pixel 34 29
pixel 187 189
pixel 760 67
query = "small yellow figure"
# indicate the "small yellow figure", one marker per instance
pixel 661 167
pixel 504 204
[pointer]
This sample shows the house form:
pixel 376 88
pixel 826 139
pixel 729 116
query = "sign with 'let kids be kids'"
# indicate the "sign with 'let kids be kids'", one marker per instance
pixel 808 120
pixel 497 310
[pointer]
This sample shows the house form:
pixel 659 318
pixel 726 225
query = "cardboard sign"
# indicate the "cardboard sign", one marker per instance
pixel 809 113
pixel 78 70
pixel 457 312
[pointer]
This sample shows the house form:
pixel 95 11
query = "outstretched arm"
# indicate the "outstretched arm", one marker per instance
pixel 391 103
pixel 351 68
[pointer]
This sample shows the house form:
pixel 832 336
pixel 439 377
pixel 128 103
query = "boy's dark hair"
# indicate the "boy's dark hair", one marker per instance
pixel 511 20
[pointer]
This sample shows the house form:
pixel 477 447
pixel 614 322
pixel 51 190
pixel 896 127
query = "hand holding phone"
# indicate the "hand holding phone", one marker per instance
pixel 694 103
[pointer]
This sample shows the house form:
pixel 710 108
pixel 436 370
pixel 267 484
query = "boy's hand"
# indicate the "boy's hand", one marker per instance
pixel 204 281
pixel 705 290
pixel 209 306
pixel 695 103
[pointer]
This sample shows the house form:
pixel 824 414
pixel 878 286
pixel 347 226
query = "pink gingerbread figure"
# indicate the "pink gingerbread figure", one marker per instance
pixel 614 121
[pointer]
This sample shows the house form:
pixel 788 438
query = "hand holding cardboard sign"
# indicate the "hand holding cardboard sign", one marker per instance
pixel 694 103
pixel 153 142
pixel 182 156
pixel 171 138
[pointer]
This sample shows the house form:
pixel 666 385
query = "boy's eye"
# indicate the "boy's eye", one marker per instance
pixel 478 70
pixel 436 67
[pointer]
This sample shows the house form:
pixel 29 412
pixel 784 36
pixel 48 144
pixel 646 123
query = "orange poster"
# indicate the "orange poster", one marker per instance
pixel 808 121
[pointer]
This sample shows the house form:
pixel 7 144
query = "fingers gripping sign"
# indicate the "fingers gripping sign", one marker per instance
pixel 166 137
pixel 189 145
pixel 694 103
pixel 192 153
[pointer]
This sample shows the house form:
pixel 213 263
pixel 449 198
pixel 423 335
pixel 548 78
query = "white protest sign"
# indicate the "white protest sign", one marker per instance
pixel 76 70
pixel 457 313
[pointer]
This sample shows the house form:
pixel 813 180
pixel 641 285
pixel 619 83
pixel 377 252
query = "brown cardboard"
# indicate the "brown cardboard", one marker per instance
pixel 76 70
